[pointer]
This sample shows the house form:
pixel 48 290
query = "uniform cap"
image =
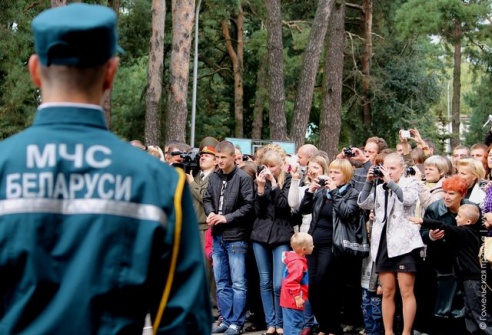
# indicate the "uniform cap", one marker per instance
pixel 208 141
pixel 208 150
pixel 78 35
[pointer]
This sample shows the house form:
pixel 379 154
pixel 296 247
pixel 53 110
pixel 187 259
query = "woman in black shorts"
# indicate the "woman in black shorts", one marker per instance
pixel 395 240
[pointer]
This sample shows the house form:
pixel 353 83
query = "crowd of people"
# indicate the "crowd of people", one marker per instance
pixel 424 215
pixel 95 235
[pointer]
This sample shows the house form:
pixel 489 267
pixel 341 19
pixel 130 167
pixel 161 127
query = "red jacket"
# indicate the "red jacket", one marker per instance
pixel 295 280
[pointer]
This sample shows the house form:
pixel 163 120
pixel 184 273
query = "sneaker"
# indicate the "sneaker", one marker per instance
pixel 348 328
pixel 233 330
pixel 219 329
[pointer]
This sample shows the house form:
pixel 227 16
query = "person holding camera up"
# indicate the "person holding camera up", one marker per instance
pixel 365 158
pixel 395 241
pixel 271 234
pixel 330 200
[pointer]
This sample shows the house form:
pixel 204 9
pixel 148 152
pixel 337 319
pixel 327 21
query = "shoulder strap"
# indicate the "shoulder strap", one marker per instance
pixel 174 255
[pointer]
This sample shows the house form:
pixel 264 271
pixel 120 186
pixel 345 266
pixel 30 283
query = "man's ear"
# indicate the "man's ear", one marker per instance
pixel 34 67
pixel 110 73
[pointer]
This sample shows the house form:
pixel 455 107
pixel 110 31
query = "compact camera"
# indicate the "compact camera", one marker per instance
pixel 321 181
pixel 405 134
pixel 410 171
pixel 376 172
pixel 259 168
pixel 347 152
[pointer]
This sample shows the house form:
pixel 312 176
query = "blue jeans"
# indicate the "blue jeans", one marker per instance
pixel 309 320
pixel 293 321
pixel 371 310
pixel 271 270
pixel 230 276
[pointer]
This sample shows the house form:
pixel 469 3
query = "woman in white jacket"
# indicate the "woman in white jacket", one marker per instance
pixel 395 240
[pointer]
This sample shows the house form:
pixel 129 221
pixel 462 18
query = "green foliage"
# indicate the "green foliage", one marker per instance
pixel 128 100
pixel 480 101
pixel 18 96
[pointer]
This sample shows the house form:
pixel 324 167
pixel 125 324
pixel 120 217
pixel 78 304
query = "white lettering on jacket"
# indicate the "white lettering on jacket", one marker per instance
pixel 60 185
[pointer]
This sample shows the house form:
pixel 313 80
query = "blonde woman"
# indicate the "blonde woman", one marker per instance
pixel 395 240
pixel 436 169
pixel 330 199
pixel 472 171
pixel 271 234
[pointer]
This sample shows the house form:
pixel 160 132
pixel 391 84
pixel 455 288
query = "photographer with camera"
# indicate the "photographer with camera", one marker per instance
pixel 174 151
pixel 364 158
pixel 395 241
pixel 331 200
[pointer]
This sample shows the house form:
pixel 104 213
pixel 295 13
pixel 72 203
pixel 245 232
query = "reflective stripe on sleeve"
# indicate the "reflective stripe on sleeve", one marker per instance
pixel 83 206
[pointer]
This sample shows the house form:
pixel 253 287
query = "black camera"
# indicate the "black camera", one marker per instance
pixel 191 161
pixel 410 171
pixel 347 152
pixel 259 168
pixel 321 181
pixel 376 172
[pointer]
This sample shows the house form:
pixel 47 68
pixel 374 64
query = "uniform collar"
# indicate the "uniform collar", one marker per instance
pixel 70 113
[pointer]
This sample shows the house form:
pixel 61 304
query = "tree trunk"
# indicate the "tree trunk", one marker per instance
pixel 278 123
pixel 106 103
pixel 260 97
pixel 305 87
pixel 154 89
pixel 331 110
pixel 58 3
pixel 455 111
pixel 238 68
pixel 183 14
pixel 366 61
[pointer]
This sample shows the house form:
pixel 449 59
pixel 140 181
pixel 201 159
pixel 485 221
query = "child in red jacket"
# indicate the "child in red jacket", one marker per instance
pixel 294 291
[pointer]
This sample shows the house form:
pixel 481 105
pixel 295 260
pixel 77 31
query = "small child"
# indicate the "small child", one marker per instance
pixel 466 239
pixel 294 291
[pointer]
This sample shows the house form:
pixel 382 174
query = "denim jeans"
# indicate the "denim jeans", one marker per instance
pixel 371 310
pixel 309 320
pixel 293 321
pixel 271 270
pixel 230 276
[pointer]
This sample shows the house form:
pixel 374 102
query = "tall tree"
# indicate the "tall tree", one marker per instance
pixel 183 14
pixel 278 123
pixel 366 61
pixel 261 93
pixel 331 110
pixel 312 55
pixel 237 59
pixel 452 20
pixel 153 95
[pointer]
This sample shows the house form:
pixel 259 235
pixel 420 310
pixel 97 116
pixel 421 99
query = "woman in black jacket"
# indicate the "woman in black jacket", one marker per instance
pixel 271 235
pixel 330 200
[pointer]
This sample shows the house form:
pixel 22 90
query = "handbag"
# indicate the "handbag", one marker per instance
pixel 485 253
pixel 350 239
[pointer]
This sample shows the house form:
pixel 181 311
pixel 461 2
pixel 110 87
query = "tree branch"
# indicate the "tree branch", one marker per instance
pixel 354 6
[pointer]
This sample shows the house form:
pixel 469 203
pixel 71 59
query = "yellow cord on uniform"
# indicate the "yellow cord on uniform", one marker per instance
pixel 174 256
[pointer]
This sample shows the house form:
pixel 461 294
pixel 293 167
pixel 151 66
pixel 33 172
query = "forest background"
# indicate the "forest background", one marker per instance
pixel 327 72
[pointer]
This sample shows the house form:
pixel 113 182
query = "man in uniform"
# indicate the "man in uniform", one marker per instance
pixel 91 227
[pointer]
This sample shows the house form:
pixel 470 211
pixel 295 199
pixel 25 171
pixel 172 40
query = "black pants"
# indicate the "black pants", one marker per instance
pixel 327 277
